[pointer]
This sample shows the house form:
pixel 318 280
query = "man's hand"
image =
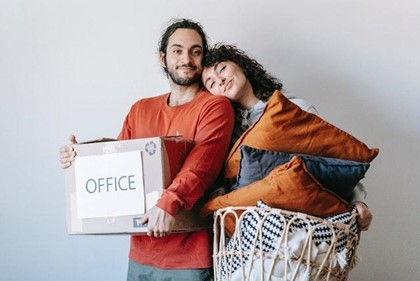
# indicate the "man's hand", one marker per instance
pixel 67 153
pixel 159 222
pixel 364 216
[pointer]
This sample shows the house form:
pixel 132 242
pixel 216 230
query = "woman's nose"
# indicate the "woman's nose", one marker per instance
pixel 222 81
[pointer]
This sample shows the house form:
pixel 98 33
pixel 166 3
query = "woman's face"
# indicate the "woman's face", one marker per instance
pixel 226 79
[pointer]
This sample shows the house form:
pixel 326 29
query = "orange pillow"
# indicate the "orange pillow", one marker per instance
pixel 284 127
pixel 290 187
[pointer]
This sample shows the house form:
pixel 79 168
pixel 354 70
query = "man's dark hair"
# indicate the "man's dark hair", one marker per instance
pixel 263 83
pixel 182 23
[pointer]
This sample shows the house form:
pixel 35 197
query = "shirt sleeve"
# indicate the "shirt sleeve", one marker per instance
pixel 204 163
pixel 126 132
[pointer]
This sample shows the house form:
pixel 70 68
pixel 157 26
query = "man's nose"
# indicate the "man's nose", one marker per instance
pixel 186 58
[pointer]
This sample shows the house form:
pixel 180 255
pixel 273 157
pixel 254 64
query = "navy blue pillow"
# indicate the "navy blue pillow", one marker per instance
pixel 337 175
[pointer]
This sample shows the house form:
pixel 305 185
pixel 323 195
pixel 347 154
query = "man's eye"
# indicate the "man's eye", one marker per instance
pixel 197 53
pixel 177 52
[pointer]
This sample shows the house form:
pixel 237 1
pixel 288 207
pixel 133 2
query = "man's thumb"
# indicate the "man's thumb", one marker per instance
pixel 72 139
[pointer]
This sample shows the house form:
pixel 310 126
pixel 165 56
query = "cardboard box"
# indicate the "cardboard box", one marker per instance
pixel 111 184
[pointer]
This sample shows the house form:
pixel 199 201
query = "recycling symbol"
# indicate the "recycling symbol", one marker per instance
pixel 151 148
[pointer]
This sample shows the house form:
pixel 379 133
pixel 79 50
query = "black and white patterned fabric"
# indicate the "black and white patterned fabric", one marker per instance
pixel 272 228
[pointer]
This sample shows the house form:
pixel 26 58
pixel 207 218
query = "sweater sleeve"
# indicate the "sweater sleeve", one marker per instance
pixel 359 193
pixel 204 163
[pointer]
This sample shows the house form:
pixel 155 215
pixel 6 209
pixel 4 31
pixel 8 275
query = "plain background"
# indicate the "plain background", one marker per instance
pixel 77 67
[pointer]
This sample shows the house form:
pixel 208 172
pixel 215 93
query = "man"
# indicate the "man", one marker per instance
pixel 191 111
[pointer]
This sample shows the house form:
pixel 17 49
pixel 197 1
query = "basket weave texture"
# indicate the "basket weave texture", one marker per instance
pixel 274 244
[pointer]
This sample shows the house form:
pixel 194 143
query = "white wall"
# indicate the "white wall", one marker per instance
pixel 77 66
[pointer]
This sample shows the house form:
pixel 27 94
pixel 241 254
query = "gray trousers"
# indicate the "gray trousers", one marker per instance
pixel 140 272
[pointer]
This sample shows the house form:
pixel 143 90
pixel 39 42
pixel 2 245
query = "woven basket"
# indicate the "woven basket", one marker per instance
pixel 274 244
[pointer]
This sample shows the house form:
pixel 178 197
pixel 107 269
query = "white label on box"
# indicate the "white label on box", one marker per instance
pixel 109 185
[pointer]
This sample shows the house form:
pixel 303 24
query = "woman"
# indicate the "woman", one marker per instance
pixel 228 71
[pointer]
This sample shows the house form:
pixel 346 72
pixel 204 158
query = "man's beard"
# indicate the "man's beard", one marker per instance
pixel 183 81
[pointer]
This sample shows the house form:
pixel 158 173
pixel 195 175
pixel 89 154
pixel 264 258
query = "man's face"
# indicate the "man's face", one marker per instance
pixel 184 54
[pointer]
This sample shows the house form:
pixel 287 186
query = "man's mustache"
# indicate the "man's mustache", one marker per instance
pixel 193 67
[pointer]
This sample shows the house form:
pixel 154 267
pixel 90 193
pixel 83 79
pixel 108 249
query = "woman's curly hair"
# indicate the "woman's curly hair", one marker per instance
pixel 263 83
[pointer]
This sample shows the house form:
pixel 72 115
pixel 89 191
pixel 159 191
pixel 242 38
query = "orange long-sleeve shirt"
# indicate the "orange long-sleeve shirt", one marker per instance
pixel 207 120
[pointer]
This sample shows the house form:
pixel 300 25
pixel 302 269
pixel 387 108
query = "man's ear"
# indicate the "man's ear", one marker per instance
pixel 162 60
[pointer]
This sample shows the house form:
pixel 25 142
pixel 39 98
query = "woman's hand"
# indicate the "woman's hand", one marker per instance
pixel 218 192
pixel 364 216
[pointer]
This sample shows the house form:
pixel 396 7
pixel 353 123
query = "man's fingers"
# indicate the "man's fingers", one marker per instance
pixel 66 149
pixel 67 155
pixel 65 165
pixel 66 161
pixel 156 233
pixel 67 152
